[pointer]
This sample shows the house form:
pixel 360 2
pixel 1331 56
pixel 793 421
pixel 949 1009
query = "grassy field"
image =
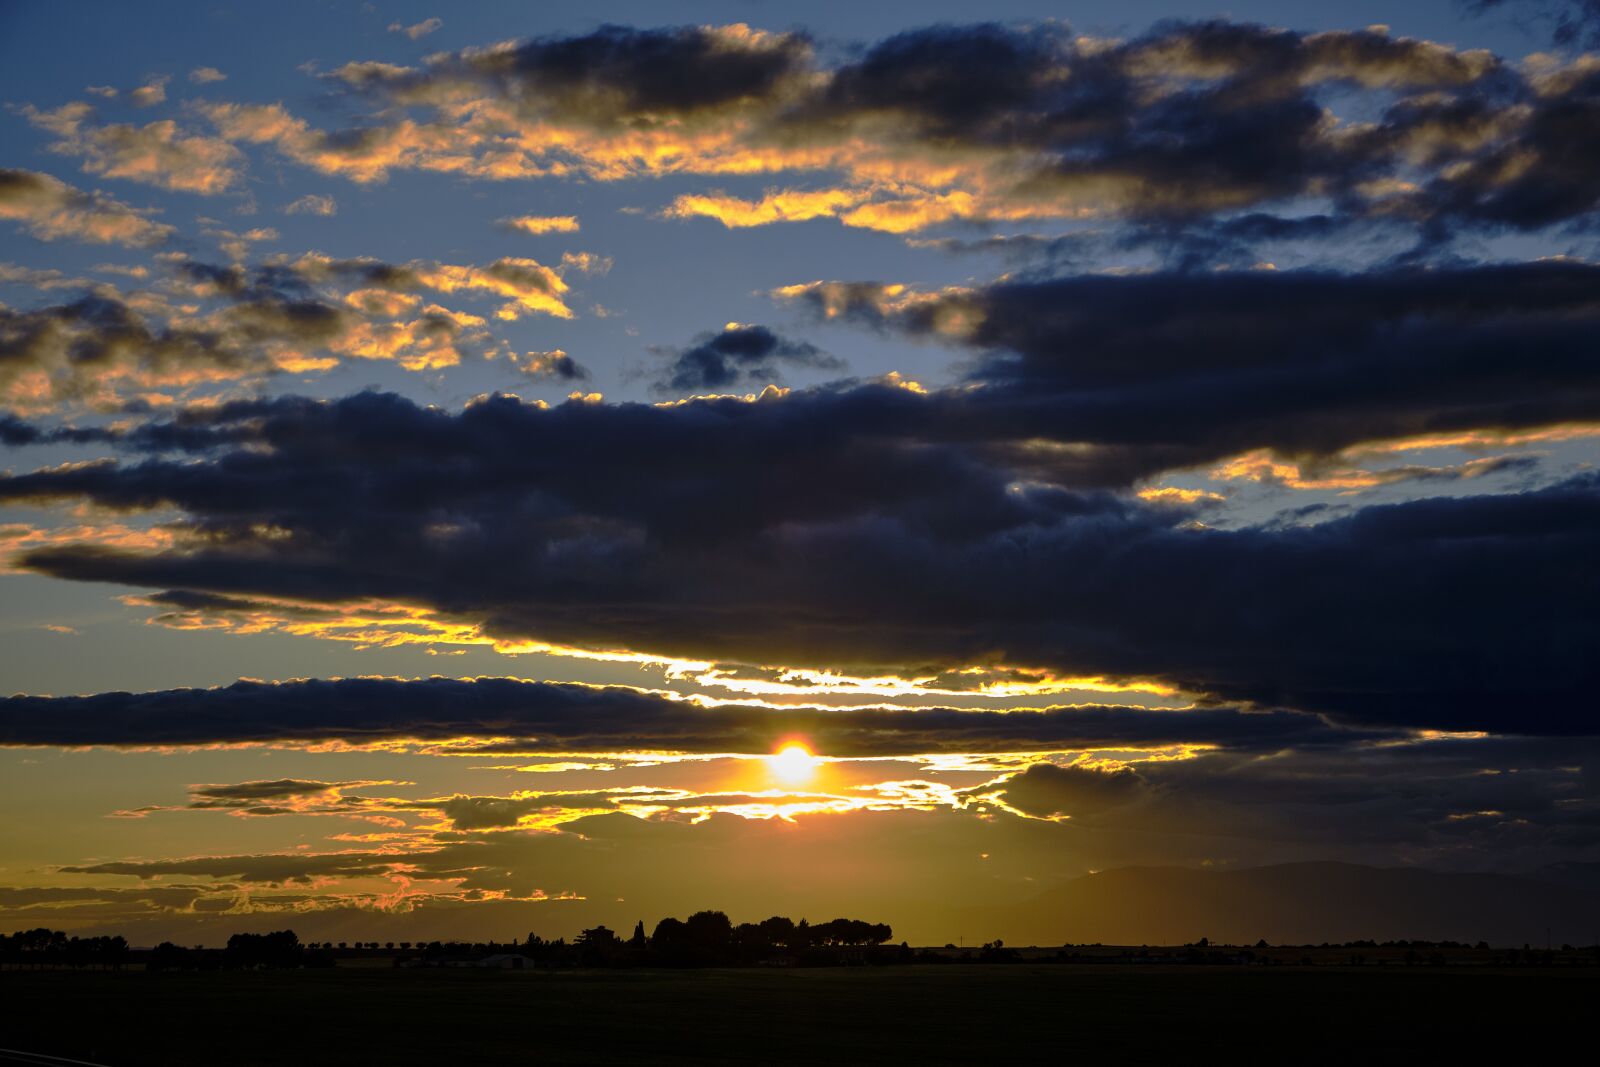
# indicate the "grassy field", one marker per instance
pixel 935 1015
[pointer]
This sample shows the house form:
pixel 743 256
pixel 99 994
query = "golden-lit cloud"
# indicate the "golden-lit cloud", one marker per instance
pixel 428 342
pixel 19 537
pixel 531 286
pixel 526 285
pixel 953 312
pixel 540 224
pixel 157 154
pixel 51 210
pixel 1264 467
pixel 1180 496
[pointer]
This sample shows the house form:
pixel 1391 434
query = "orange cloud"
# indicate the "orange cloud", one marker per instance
pixel 158 154
pixel 51 210
pixel 541 224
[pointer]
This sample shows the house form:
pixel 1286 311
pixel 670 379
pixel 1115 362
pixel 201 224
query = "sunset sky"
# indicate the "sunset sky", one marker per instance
pixel 484 468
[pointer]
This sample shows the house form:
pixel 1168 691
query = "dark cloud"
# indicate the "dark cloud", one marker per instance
pixel 17 432
pixel 1152 371
pixel 738 355
pixel 616 74
pixel 1048 789
pixel 1232 241
pixel 244 794
pixel 1172 131
pixel 965 83
pixel 1549 173
pixel 1192 121
pixel 835 528
pixel 1189 119
pixel 578 718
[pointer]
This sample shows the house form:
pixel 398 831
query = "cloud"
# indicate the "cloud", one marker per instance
pixel 554 365
pixel 208 323
pixel 51 210
pixel 738 354
pixel 586 263
pixel 150 93
pixel 1302 362
pixel 1074 384
pixel 250 792
pixel 568 717
pixel 527 285
pixel 206 75
pixel 79 901
pixel 1164 132
pixel 86 349
pixel 1052 790
pixel 157 154
pixel 540 224
pixel 312 204
pixel 835 528
pixel 418 30
pixel 613 74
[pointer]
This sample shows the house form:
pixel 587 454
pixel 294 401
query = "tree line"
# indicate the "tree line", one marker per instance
pixel 53 948
pixel 704 939
pixel 710 938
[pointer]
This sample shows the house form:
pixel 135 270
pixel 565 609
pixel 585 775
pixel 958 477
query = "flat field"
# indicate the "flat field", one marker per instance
pixel 959 1013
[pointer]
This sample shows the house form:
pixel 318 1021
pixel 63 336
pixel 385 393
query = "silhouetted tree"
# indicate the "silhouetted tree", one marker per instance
pixel 598 946
pixel 281 948
pixel 778 930
pixel 709 929
pixel 169 957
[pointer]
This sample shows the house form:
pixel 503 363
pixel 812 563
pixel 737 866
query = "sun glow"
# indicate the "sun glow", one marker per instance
pixel 793 763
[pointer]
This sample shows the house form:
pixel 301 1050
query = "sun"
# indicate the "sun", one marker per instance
pixel 793 763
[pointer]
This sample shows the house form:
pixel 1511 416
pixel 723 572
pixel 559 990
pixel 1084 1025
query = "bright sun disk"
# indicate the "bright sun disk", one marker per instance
pixel 793 763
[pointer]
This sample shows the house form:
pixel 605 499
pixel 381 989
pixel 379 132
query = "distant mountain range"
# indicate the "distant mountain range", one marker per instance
pixel 1298 903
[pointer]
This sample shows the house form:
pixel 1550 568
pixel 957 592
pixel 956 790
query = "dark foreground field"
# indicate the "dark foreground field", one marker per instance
pixel 952 1014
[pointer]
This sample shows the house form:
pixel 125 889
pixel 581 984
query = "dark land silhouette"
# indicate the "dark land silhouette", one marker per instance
pixel 705 989
pixel 962 1013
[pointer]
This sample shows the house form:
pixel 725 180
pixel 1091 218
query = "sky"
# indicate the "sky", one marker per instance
pixel 465 472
